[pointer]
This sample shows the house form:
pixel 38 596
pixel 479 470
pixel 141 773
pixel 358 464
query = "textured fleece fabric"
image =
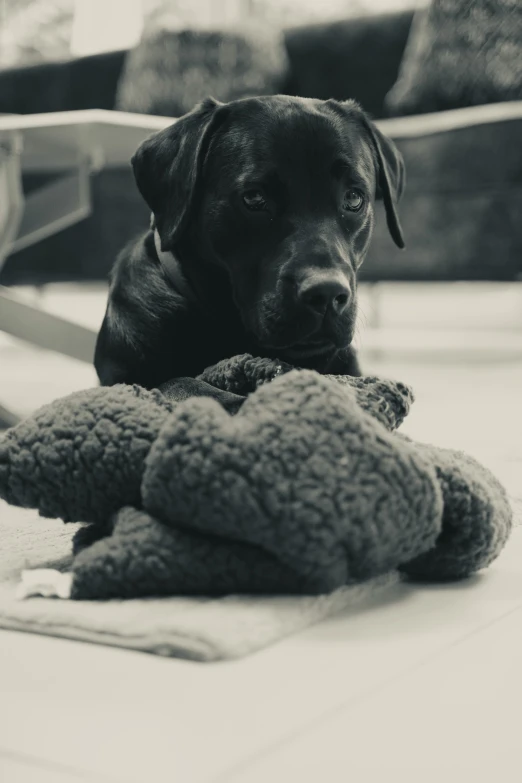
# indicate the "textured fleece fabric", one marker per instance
pixel 307 488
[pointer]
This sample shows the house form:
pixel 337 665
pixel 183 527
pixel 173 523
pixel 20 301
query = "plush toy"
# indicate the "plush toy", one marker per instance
pixel 307 488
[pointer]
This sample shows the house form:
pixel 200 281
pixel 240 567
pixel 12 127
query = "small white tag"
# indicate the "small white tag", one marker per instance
pixel 44 582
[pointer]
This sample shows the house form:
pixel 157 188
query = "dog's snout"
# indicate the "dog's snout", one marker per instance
pixel 318 293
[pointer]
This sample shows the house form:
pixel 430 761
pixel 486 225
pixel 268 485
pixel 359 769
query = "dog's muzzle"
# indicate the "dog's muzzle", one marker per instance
pixel 315 315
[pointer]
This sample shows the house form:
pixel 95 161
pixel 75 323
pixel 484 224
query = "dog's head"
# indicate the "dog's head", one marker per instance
pixel 278 192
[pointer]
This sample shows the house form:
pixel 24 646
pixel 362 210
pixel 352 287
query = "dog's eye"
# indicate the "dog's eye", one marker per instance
pixel 254 200
pixel 353 200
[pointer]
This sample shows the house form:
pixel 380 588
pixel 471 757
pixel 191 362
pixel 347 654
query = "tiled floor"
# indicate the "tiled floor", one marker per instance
pixel 424 686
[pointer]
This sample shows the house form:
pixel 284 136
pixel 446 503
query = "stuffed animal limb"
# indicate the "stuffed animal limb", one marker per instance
pixel 388 401
pixel 81 458
pixel 300 471
pixel 144 557
pixel 476 519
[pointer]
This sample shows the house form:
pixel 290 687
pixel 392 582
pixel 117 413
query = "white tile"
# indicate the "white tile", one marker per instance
pixel 22 770
pixel 455 716
pixel 197 722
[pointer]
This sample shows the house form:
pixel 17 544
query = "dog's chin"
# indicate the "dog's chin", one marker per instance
pixel 311 352
pixel 310 349
pixel 291 341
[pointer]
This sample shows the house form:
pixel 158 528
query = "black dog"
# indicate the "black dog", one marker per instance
pixel 262 214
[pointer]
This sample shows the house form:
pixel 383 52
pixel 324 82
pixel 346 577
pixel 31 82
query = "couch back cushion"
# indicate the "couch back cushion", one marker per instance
pixel 460 53
pixel 171 70
pixel 354 58
pixel 35 31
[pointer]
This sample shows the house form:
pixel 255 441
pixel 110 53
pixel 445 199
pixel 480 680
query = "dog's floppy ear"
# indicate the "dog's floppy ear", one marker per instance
pixel 391 178
pixel 167 168
pixel 391 174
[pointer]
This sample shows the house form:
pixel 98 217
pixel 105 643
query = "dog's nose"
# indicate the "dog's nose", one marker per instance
pixel 320 293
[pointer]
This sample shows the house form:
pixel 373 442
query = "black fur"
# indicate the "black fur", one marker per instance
pixel 246 268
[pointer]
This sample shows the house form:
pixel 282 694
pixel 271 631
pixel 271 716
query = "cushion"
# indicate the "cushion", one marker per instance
pixel 171 70
pixel 460 53
pixel 35 31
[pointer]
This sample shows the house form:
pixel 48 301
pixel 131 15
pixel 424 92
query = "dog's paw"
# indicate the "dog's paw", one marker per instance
pixel 244 374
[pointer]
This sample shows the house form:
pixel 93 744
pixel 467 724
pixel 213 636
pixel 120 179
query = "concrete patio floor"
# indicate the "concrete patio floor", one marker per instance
pixel 427 687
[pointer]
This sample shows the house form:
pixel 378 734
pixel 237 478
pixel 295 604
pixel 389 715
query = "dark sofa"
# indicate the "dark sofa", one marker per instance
pixel 464 196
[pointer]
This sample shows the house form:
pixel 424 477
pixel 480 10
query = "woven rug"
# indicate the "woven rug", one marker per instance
pixel 194 628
